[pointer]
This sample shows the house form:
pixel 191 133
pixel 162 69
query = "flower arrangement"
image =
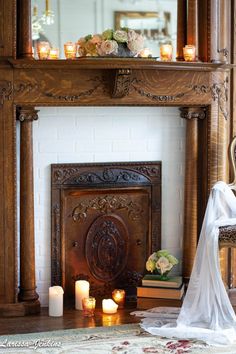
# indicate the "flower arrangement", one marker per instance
pixel 122 43
pixel 161 262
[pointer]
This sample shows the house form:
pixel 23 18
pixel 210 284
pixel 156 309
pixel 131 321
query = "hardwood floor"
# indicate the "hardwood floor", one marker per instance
pixel 71 319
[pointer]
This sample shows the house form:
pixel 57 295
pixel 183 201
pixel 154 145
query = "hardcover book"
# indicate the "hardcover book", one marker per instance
pixel 163 293
pixel 154 281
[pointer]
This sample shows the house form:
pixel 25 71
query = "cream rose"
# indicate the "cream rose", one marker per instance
pixel 163 265
pixel 120 36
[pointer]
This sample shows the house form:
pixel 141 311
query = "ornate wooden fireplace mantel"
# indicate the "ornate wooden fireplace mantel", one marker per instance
pixel 201 90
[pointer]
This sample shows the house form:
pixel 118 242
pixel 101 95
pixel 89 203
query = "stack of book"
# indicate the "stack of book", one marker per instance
pixel 154 288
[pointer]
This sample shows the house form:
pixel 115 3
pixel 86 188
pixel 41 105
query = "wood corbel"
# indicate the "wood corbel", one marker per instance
pixel 122 83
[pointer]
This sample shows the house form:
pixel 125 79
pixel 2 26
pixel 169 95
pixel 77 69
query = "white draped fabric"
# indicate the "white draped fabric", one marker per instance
pixel 206 313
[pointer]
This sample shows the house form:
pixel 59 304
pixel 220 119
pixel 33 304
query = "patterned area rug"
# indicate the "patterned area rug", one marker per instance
pixel 123 339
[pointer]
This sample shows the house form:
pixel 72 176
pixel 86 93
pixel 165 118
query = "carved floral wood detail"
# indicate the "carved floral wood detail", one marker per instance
pixel 56 246
pixel 5 90
pixel 122 83
pixel 73 175
pixel 106 247
pixel 106 205
pixel 193 112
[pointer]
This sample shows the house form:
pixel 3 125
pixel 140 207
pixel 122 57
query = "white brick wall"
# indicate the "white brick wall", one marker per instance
pixel 103 134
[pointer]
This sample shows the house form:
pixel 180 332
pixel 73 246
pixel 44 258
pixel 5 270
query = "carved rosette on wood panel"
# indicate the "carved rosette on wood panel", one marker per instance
pixel 106 247
pixel 105 205
pixel 5 90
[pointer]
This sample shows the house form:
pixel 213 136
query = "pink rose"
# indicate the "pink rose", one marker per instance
pixel 136 45
pixel 107 47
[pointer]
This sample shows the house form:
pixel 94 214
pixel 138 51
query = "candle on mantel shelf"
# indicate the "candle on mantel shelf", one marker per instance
pixel 109 306
pixel 145 53
pixel 70 50
pixel 88 305
pixel 54 53
pixel 118 295
pixel 56 301
pixel 166 52
pixel 43 50
pixel 81 292
pixel 189 53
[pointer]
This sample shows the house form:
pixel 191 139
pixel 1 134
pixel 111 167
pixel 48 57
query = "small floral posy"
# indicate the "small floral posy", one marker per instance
pixel 161 262
pixel 122 43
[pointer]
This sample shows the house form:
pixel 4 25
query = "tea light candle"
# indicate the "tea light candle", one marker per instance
pixel 189 53
pixel 70 50
pixel 56 301
pixel 43 50
pixel 166 52
pixel 109 306
pixel 81 292
pixel 145 53
pixel 118 295
pixel 54 53
pixel 88 305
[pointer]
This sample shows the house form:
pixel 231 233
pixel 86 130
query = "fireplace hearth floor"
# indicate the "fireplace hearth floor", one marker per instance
pixel 71 319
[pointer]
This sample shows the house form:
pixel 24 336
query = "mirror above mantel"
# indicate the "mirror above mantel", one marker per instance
pixel 60 21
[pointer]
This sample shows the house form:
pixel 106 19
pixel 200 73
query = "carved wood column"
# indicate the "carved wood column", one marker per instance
pixel 192 114
pixel 219 30
pixel 181 28
pixel 24 39
pixel 192 24
pixel 26 116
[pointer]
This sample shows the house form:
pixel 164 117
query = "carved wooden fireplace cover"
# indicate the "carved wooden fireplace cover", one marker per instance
pixel 106 220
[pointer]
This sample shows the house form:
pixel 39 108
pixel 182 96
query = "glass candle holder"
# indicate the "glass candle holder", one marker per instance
pixel 54 53
pixel 118 295
pixel 43 50
pixel 166 51
pixel 109 306
pixel 70 50
pixel 145 53
pixel 88 304
pixel 189 53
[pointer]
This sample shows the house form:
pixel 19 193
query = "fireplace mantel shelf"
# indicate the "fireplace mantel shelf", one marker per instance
pixel 117 63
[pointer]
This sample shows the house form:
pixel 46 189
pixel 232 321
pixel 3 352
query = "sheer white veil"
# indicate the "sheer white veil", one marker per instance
pixel 206 313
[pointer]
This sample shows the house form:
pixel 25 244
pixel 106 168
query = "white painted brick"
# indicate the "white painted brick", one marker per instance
pixel 130 145
pixel 99 146
pixel 57 146
pixel 118 157
pixel 75 157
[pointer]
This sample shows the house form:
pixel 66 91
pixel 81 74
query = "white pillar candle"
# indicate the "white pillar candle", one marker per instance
pixel 81 291
pixel 109 306
pixel 56 301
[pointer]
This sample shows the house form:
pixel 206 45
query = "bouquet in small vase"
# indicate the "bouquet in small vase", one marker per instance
pixel 161 262
pixel 121 43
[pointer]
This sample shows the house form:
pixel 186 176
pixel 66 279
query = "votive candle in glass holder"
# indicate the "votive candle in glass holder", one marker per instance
pixel 70 50
pixel 118 295
pixel 43 49
pixel 166 51
pixel 109 306
pixel 54 53
pixel 189 53
pixel 88 304
pixel 145 53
